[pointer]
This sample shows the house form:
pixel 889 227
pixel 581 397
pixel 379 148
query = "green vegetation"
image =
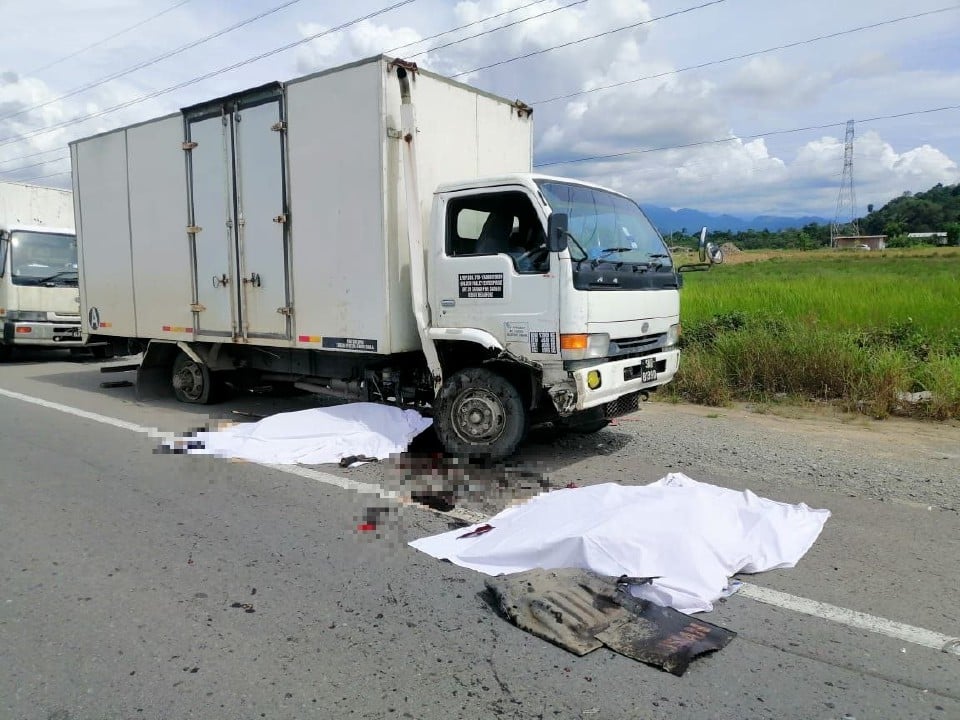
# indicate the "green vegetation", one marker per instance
pixel 936 210
pixel 930 211
pixel 856 329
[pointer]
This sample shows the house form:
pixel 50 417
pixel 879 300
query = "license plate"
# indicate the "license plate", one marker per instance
pixel 72 332
pixel 648 370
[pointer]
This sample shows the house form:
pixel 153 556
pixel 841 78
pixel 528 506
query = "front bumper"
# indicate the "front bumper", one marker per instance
pixel 624 377
pixel 48 334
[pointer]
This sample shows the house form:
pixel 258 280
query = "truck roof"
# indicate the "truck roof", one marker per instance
pixel 19 227
pixel 526 179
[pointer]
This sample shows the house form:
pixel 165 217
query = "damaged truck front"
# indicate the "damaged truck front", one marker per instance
pixel 374 233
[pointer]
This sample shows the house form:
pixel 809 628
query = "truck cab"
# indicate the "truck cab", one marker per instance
pixel 39 297
pixel 565 278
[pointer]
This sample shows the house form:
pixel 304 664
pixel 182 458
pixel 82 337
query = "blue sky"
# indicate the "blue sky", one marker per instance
pixel 902 67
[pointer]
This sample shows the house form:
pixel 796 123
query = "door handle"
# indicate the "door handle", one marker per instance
pixel 448 303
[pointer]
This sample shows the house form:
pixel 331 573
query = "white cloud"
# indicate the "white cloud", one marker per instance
pixel 885 71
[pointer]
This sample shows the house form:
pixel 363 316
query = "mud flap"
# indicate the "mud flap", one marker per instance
pixel 153 375
pixel 581 611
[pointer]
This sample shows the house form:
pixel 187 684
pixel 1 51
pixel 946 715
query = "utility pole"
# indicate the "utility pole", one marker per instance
pixel 847 199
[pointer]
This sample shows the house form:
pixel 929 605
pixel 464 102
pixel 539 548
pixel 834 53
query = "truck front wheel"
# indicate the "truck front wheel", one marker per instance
pixel 480 413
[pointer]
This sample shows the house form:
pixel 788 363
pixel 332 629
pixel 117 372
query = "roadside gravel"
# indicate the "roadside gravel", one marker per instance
pixel 790 449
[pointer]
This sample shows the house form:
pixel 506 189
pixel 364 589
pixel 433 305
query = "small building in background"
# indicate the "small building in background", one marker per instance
pixel 935 238
pixel 860 242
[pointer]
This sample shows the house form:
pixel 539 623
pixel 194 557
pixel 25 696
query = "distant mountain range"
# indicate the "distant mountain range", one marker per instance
pixel 668 221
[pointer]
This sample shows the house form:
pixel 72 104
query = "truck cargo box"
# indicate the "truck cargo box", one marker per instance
pixel 275 216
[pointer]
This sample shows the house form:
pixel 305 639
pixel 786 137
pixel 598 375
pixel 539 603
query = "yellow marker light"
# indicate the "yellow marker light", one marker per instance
pixel 593 379
pixel 574 342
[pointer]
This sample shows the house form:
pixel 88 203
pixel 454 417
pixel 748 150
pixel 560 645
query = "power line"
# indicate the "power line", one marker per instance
pixel 201 78
pixel 744 56
pixel 31 155
pixel 108 38
pixel 463 27
pixel 387 52
pixel 591 37
pixel 44 177
pixel 663 148
pixel 716 141
pixel 37 164
pixel 154 60
pixel 502 27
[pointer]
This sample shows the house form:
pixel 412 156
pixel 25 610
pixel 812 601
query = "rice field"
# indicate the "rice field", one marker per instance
pixel 860 329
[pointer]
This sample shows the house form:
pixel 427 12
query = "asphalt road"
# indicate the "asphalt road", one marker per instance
pixel 120 569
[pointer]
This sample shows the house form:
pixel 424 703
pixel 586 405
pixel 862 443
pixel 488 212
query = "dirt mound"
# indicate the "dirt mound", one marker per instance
pixel 730 248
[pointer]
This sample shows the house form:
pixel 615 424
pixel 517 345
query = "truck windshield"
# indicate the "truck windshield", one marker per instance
pixel 39 258
pixel 608 227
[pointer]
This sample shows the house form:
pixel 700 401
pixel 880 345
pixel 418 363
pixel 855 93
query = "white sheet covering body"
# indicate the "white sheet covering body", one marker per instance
pixel 690 535
pixel 315 436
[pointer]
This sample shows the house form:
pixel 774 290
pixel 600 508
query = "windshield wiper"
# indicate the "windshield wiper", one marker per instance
pixel 56 275
pixel 607 251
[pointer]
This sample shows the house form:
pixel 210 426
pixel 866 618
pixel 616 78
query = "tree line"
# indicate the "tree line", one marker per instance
pixel 936 210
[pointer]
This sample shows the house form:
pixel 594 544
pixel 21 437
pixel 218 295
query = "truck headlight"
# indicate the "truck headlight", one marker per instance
pixel 584 346
pixel 673 335
pixel 27 315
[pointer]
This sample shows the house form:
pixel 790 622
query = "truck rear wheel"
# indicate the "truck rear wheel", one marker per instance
pixel 480 413
pixel 192 381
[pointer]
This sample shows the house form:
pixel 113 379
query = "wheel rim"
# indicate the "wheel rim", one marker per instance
pixel 189 381
pixel 478 416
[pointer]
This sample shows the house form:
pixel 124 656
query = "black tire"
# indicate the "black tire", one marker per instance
pixel 480 414
pixel 102 352
pixel 193 382
pixel 6 352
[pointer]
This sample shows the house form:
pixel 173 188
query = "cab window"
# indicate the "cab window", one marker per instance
pixel 497 223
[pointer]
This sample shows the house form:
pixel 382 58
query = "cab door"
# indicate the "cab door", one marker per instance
pixel 492 272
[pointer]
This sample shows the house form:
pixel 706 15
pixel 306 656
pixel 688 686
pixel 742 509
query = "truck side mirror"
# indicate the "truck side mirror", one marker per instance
pixel 557 232
pixel 703 244
pixel 714 253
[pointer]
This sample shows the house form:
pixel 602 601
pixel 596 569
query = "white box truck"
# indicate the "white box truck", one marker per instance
pixel 39 300
pixel 374 232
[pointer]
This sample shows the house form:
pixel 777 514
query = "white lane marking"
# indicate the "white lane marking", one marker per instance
pixel 842 616
pixel 341 482
pixel 852 618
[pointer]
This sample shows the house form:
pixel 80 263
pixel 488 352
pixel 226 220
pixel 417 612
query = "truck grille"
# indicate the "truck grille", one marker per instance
pixel 642 345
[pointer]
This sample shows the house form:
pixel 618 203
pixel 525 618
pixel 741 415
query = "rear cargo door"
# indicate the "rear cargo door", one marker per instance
pixel 239 216
pixel 261 203
pixel 214 240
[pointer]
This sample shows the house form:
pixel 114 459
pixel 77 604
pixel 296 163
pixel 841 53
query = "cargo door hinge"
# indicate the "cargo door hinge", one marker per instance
pixel 394 133
pixel 287 310
pixel 188 145
pixel 197 307
pixel 280 218
pixel 279 126
pixel 193 229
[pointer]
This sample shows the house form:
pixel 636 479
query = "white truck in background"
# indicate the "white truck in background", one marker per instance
pixel 39 299
pixel 374 233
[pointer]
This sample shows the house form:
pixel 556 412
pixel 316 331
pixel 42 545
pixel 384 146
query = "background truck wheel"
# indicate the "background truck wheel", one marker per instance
pixel 6 352
pixel 192 381
pixel 480 413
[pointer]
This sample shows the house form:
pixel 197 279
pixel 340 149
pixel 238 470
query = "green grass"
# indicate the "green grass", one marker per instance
pixel 856 329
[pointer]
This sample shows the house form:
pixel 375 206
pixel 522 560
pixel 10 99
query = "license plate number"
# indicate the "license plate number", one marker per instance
pixel 648 370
